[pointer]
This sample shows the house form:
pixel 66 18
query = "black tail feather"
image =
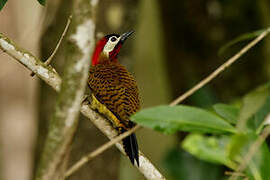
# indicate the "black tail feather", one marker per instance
pixel 131 148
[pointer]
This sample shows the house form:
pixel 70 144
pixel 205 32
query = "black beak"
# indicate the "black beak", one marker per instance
pixel 125 35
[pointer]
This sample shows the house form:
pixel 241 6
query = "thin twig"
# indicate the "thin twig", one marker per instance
pixel 220 69
pixel 251 152
pixel 49 60
pixel 229 173
pixel 98 151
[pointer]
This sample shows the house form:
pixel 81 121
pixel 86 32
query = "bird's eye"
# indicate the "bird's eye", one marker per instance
pixel 113 39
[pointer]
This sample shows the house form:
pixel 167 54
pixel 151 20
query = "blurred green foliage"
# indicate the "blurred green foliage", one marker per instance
pixel 228 112
pixel 180 165
pixel 2 3
pixel 42 2
pixel 224 138
pixel 254 104
pixel 258 167
pixel 209 148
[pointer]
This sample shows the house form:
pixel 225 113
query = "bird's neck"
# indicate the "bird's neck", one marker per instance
pixel 104 59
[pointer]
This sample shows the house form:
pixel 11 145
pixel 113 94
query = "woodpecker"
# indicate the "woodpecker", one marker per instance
pixel 114 87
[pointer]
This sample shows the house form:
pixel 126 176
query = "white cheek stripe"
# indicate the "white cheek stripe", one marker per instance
pixel 110 46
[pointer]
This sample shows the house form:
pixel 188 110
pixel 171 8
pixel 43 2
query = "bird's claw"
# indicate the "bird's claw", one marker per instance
pixel 86 99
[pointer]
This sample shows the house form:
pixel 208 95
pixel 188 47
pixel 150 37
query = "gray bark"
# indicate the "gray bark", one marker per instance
pixel 64 121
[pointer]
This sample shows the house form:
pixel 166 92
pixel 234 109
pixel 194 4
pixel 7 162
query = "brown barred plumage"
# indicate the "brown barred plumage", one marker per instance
pixel 116 88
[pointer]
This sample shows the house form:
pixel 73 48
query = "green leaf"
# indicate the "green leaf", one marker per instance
pixel 204 97
pixel 181 165
pixel 252 103
pixel 2 4
pixel 261 114
pixel 240 38
pixel 169 119
pixel 42 2
pixel 228 112
pixel 258 167
pixel 209 148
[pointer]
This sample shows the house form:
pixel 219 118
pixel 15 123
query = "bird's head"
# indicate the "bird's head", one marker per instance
pixel 108 48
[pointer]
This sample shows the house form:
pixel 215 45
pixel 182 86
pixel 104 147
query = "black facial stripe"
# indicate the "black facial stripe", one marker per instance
pixel 110 35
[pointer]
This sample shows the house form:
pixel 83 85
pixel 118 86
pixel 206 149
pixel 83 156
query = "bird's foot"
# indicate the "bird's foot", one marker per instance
pixel 86 99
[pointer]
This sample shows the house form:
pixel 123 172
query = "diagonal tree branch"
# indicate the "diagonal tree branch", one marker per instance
pixel 47 74
pixel 50 76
